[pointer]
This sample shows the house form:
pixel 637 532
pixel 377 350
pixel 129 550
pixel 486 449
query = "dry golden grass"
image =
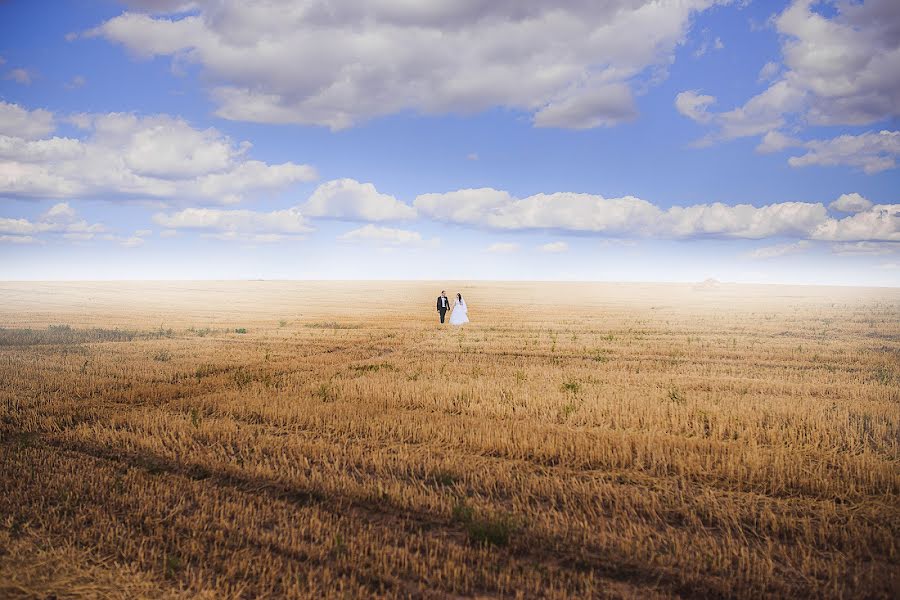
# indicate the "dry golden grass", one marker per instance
pixel 275 439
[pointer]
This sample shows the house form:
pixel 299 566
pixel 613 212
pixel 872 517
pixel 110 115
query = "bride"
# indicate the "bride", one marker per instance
pixel 460 312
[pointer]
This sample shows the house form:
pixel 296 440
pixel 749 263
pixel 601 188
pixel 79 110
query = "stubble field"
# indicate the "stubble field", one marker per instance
pixel 283 439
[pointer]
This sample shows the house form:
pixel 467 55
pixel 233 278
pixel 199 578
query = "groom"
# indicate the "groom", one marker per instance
pixel 443 304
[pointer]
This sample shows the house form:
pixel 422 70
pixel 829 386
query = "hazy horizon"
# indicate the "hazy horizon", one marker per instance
pixel 449 281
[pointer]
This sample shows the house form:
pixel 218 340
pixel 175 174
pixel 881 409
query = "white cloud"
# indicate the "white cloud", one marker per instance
pixel 775 141
pixel 847 64
pixel 630 216
pixel 716 44
pixel 779 250
pixel 839 70
pixel 79 237
pixel 23 76
pixel 851 203
pixel 132 242
pixel 18 239
pixel 19 122
pixel 865 248
pixel 768 71
pixel 168 233
pixel 602 106
pixel 15 149
pixel 61 211
pixel 611 242
pixel 694 105
pixel 554 247
pixel 503 247
pixel 251 238
pixel 127 157
pixel 872 152
pixel 162 6
pixel 496 209
pixel 351 200
pixel 571 64
pixel 143 232
pixel 238 225
pixel 881 222
pixel 126 242
pixel 385 236
pixel 762 113
pixel 60 219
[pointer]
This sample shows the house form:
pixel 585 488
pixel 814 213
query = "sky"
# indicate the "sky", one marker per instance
pixel 626 140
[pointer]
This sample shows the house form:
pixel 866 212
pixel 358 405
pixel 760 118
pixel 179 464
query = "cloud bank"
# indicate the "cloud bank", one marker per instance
pixel 127 157
pixel 60 221
pixel 570 64
pixel 386 236
pixel 630 216
pixel 238 225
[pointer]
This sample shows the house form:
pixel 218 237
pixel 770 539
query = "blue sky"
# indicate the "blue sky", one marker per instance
pixel 159 139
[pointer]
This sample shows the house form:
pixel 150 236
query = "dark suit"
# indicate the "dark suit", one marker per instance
pixel 443 305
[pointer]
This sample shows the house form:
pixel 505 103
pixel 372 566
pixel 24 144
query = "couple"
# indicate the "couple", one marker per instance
pixel 460 312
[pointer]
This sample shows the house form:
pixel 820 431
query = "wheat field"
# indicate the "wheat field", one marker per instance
pixel 331 439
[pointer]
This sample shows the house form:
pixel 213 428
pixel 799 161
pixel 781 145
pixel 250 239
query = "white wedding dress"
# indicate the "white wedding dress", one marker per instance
pixel 460 313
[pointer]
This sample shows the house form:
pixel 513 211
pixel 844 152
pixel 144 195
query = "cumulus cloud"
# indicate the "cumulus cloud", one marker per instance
pixel 503 247
pixel 851 203
pixel 603 106
pixel 572 64
pixel 554 247
pixel 775 141
pixel 19 122
pixel 779 250
pixel 872 152
pixel 60 220
pixel 759 115
pixel 839 69
pixel 123 156
pixel 351 200
pixel 630 216
pixel 694 105
pixel 385 236
pixel 881 222
pixel 237 225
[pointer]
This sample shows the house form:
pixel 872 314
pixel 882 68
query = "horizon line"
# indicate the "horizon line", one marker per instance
pixel 709 281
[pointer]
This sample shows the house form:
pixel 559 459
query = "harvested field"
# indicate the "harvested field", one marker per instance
pixel 305 440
